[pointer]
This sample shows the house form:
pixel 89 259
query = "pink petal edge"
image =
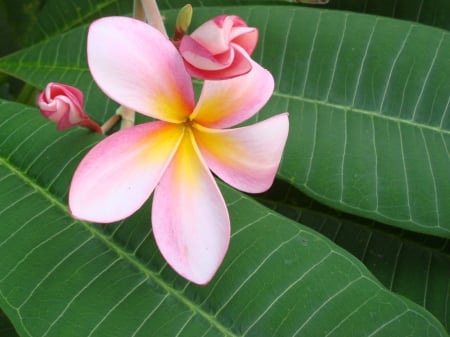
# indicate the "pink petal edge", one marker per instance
pixel 197 56
pixel 212 36
pixel 118 175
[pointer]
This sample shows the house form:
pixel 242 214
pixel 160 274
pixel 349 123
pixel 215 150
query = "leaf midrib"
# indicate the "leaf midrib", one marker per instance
pixel 29 65
pixel 118 250
pixel 369 113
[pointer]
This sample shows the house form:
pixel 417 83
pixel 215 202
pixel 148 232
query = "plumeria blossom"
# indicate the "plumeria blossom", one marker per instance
pixel 63 104
pixel 220 48
pixel 172 156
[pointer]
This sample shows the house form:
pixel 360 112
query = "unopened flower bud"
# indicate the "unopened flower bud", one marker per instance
pixel 63 104
pixel 220 48
pixel 183 21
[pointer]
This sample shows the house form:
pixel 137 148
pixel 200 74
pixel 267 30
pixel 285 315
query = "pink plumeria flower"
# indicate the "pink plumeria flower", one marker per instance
pixel 135 65
pixel 220 48
pixel 63 104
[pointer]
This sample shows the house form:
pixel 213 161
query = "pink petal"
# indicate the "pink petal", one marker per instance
pixel 229 102
pixel 189 216
pixel 202 64
pixel 236 31
pixel 219 48
pixel 118 175
pixel 137 66
pixel 230 20
pixel 198 56
pixel 246 37
pixel 247 158
pixel 213 36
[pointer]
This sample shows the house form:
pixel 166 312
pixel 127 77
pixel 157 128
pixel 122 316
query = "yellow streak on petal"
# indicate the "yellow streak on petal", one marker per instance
pixel 223 148
pixel 173 105
pixel 214 108
pixel 161 143
pixel 187 162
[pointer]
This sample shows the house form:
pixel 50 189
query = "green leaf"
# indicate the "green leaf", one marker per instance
pixel 57 17
pixel 369 113
pixel 63 59
pixel 431 12
pixel 63 277
pixel 368 103
pixel 414 265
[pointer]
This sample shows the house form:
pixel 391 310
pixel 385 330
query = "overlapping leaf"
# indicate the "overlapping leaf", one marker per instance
pixel 368 99
pixel 331 35
pixel 57 17
pixel 432 12
pixel 279 278
pixel 413 265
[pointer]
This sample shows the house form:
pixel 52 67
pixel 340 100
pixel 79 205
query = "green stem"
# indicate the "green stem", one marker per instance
pixel 27 95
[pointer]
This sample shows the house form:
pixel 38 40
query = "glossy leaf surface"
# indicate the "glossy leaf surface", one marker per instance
pixel 279 278
pixel 414 265
pixel 369 107
pixel 352 84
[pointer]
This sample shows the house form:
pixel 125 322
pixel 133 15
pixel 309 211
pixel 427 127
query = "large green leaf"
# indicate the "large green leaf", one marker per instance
pixel 430 12
pixel 62 277
pixel 63 59
pixel 414 265
pixel 57 17
pixel 369 112
pixel 368 99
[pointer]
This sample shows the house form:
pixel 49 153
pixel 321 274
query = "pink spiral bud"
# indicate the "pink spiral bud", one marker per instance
pixel 63 104
pixel 220 48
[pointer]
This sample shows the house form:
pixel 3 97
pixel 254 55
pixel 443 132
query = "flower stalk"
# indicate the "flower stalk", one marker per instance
pixel 127 115
pixel 110 123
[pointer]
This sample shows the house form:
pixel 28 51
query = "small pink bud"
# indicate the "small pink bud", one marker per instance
pixel 220 48
pixel 63 104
